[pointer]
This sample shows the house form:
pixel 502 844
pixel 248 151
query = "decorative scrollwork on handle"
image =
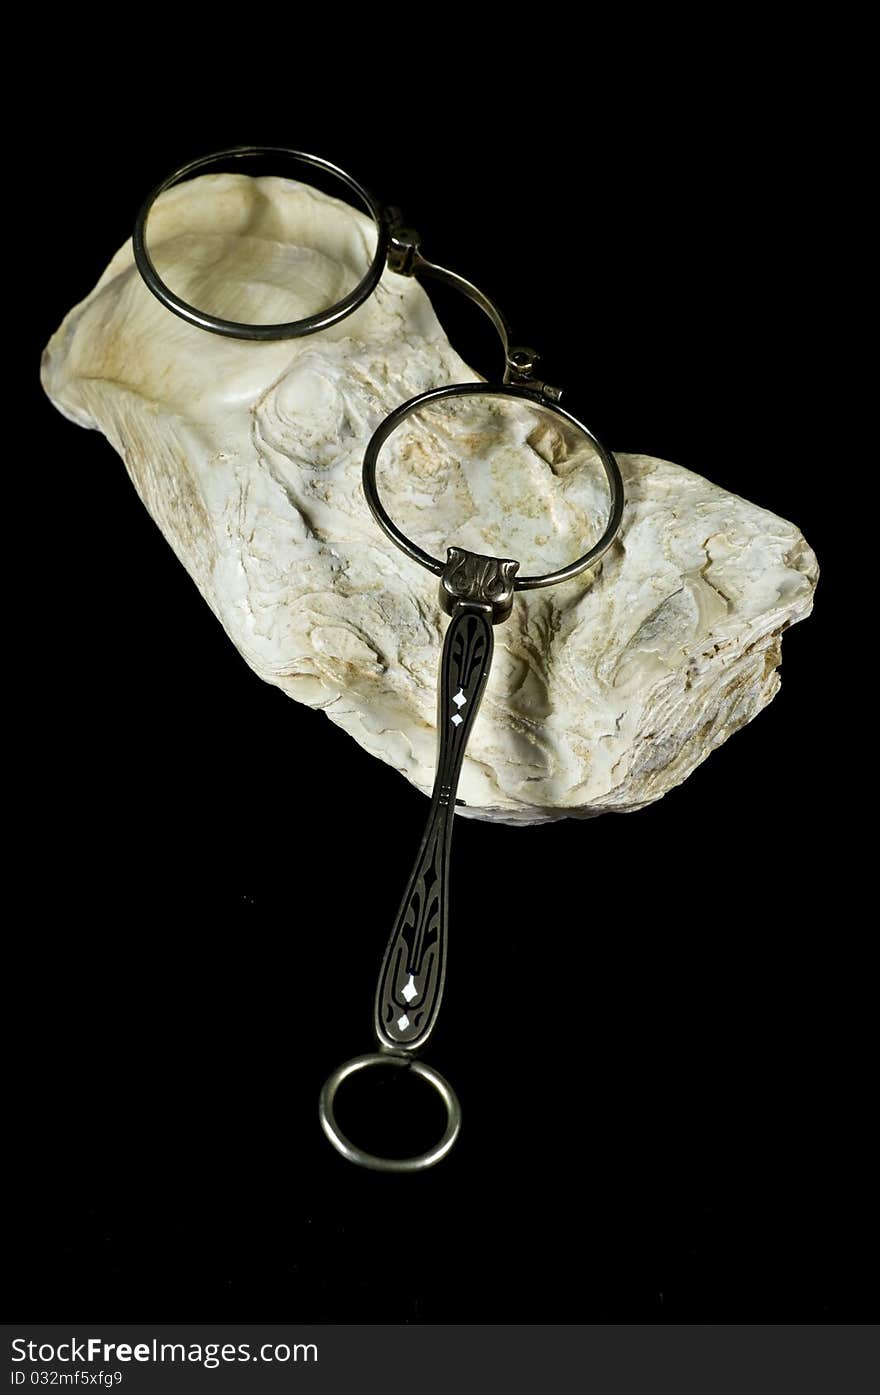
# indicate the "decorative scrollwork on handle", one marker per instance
pixel 414 969
pixel 468 576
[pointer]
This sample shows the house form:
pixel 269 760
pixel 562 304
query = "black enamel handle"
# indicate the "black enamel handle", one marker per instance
pixel 414 968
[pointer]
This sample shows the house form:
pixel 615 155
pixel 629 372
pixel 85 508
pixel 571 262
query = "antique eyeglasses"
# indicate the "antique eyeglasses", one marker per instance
pixel 476 591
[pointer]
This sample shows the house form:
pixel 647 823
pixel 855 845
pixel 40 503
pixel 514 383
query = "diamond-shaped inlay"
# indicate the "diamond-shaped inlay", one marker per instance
pixel 457 720
pixel 403 1022
pixel 460 698
pixel 409 991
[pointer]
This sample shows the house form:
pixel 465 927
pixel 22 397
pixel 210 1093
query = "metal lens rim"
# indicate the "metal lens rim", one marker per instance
pixel 234 329
pixel 433 564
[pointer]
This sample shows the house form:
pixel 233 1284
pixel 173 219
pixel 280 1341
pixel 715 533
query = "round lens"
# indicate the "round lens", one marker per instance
pixel 498 475
pixel 260 243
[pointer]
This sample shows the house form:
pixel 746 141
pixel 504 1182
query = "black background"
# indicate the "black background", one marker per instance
pixel 658 1025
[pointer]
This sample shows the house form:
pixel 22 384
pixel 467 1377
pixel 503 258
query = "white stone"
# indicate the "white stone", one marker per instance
pixel 604 694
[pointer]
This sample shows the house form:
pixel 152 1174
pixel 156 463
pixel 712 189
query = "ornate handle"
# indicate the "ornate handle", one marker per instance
pixel 414 969
pixel 477 592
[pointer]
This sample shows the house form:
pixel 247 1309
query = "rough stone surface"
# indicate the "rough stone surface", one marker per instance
pixel 605 692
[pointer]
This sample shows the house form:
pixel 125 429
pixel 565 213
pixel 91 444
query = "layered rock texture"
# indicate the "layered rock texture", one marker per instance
pixel 605 692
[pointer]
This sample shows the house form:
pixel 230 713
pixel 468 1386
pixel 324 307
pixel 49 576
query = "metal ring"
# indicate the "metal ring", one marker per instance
pixel 522 583
pixel 295 329
pixel 357 1155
